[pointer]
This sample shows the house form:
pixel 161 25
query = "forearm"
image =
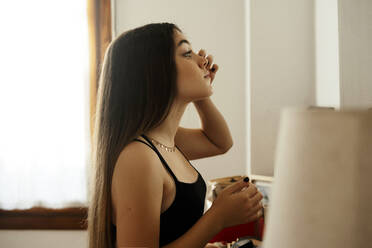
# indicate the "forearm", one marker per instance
pixel 213 124
pixel 201 232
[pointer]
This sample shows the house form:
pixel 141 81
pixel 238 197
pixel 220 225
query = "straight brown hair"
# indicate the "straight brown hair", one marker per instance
pixel 137 86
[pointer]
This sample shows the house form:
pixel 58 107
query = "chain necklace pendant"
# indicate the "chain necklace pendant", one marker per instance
pixel 167 148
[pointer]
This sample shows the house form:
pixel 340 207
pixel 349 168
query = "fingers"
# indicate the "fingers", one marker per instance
pixel 202 52
pixel 256 207
pixel 256 198
pixel 209 58
pixel 254 203
pixel 214 68
pixel 250 190
pixel 236 187
pixel 256 210
pixel 256 214
pixel 253 196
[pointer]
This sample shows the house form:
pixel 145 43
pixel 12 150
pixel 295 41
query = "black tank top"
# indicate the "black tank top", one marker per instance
pixel 186 208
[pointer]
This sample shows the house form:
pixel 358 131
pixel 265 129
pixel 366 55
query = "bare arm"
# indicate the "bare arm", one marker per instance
pixel 137 189
pixel 214 138
pixel 213 124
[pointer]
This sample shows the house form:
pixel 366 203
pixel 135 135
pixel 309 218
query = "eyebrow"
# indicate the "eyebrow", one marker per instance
pixel 183 41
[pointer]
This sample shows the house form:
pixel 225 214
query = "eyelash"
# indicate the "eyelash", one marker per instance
pixel 189 52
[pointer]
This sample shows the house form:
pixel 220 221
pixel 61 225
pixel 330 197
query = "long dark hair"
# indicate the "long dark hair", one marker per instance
pixel 137 86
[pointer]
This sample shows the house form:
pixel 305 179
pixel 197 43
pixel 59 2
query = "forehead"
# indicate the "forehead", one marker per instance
pixel 180 39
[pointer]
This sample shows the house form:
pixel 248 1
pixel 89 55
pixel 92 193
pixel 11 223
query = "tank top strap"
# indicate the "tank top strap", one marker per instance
pixel 144 143
pixel 161 157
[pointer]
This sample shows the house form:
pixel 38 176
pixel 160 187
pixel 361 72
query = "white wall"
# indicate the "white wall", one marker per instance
pixel 327 54
pixel 344 53
pixel 219 28
pixel 355 37
pixel 305 53
pixel 282 70
pixel 43 239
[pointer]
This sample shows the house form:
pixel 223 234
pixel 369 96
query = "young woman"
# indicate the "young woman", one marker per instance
pixel 144 191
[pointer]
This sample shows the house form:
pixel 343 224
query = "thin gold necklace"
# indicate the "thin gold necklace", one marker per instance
pixel 167 148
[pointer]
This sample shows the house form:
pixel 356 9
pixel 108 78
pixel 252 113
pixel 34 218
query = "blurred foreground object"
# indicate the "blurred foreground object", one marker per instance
pixel 321 195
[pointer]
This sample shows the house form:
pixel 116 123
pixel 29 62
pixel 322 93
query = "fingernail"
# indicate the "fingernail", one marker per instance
pixel 246 179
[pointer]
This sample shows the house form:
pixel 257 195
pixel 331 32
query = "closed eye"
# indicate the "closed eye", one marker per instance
pixel 187 53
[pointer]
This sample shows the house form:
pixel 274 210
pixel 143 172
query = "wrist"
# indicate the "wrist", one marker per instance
pixel 201 101
pixel 216 218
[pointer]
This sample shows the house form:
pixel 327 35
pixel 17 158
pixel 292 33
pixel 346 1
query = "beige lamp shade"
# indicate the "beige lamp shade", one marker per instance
pixel 322 192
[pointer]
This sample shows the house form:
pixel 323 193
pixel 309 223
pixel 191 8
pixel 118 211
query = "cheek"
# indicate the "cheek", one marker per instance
pixel 186 86
pixel 185 70
pixel 192 89
pixel 186 79
pixel 190 84
pixel 188 73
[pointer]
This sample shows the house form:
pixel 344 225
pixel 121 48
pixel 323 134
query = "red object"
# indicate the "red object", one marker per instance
pixel 229 234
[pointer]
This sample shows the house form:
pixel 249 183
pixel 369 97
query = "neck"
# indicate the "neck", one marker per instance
pixel 165 133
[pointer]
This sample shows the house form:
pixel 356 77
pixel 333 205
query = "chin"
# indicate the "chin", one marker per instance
pixel 210 91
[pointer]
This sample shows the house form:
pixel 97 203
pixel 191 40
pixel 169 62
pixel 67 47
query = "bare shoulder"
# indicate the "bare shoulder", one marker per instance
pixel 137 189
pixel 136 159
pixel 134 153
